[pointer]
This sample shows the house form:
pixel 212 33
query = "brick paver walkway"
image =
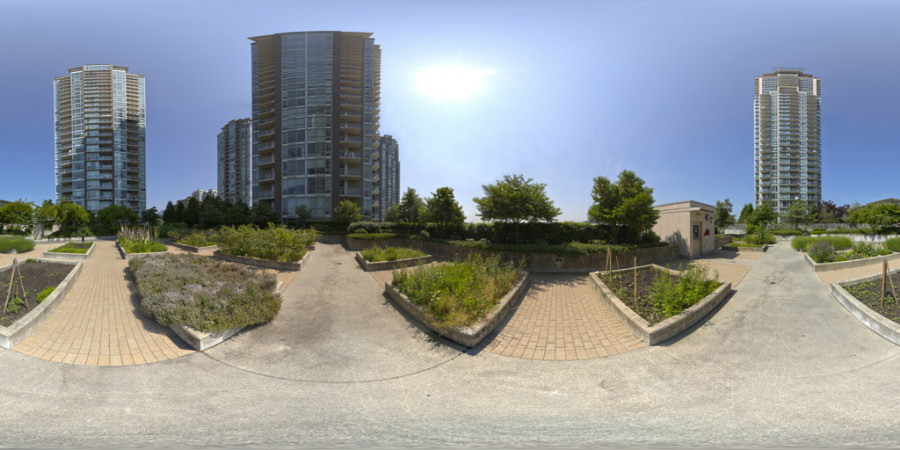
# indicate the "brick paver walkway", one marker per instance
pixel 100 323
pixel 561 318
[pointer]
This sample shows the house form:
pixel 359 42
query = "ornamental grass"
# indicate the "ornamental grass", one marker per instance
pixel 376 254
pixel 139 240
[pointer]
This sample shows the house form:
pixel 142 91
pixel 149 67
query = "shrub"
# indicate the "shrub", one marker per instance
pixel 197 238
pixel 788 232
pixel 375 254
pixel 45 293
pixel 275 243
pixel 821 251
pixel 671 298
pixel 72 232
pixel 893 244
pixel 17 243
pixel 837 242
pixel 373 236
pixel 203 293
pixel 138 240
pixel 865 250
pixel 458 294
pixel 73 247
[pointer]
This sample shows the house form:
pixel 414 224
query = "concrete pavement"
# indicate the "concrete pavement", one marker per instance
pixel 779 364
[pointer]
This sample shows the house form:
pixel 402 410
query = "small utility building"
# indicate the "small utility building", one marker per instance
pixel 690 225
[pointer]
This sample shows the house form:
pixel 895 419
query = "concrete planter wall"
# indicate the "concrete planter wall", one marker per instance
pixel 201 340
pixel 129 256
pixel 264 263
pixel 534 262
pixel 78 256
pixel 881 325
pixel 671 327
pixel 825 267
pixel 725 240
pixel 22 328
pixel 389 265
pixel 467 336
pixel 191 248
pixel 746 249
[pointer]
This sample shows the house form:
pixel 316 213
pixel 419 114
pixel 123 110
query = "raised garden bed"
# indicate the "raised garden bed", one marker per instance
pixel 202 300
pixel 862 298
pixel 468 336
pixel 640 326
pixel 825 267
pixel 36 277
pixel 378 258
pixel 265 263
pixel 191 248
pixel 129 256
pixel 64 251
pixel 734 248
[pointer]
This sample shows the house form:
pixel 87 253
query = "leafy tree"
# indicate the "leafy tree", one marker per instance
pixel 724 217
pixel 829 212
pixel 113 215
pixel 212 212
pixel 304 216
pixel 46 213
pixel 191 214
pixel 237 213
pixel 763 215
pixel 169 214
pixel 262 214
pixel 392 214
pixel 18 212
pixel 799 213
pixel 346 213
pixel 411 207
pixel 443 209
pixel 626 206
pixel 514 200
pixel 150 216
pixel 746 213
pixel 70 214
pixel 879 215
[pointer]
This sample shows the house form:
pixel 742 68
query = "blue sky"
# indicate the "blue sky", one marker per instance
pixel 577 89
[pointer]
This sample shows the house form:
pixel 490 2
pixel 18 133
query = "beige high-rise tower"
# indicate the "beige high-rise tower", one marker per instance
pixel 315 121
pixel 99 123
pixel 787 151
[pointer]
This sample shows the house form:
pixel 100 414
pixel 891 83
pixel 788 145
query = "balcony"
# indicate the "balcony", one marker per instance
pixel 267 194
pixel 350 172
pixel 350 191
pixel 266 160
pixel 350 155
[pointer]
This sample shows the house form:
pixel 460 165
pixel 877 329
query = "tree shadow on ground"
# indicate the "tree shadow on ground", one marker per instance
pixel 147 324
pixel 700 323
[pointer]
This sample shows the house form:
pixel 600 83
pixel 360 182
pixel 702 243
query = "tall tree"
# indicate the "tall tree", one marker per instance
pixel 799 213
pixel 191 214
pixel 411 206
pixel 169 215
pixel 763 215
pixel 304 216
pixel 392 214
pixel 829 212
pixel 18 212
pixel 113 215
pixel 70 214
pixel 346 213
pixel 262 214
pixel 626 206
pixel 746 213
pixel 443 209
pixel 150 216
pixel 514 199
pixel 724 217
pixel 876 216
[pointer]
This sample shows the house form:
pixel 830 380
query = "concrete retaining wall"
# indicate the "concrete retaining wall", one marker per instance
pixel 468 336
pixel 390 265
pixel 826 267
pixel 265 263
pixel 746 249
pixel 77 256
pixel 129 256
pixel 671 327
pixel 533 262
pixel 191 248
pixel 725 240
pixel 881 325
pixel 22 328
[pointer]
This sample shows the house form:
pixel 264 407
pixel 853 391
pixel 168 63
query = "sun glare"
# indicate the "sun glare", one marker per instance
pixel 448 83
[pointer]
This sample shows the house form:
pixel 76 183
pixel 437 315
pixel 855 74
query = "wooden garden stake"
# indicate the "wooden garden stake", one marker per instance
pixel 890 280
pixel 15 286
pixel 609 264
pixel 635 280
pixel 883 282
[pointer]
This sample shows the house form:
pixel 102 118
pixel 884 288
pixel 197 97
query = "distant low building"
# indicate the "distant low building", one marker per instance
pixel 690 225
pixel 3 202
pixel 889 201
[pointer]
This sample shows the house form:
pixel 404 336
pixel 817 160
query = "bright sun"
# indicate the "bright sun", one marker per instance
pixel 448 83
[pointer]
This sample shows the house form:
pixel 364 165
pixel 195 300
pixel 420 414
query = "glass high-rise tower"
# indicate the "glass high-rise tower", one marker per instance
pixel 99 137
pixel 389 171
pixel 787 152
pixel 315 121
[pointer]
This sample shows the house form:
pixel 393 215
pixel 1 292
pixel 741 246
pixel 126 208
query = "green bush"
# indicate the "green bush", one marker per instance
pixel 788 232
pixel 203 293
pixel 893 244
pixel 71 232
pixel 373 236
pixel 821 251
pixel 275 243
pixel 17 243
pixel 138 240
pixel 864 250
pixel 73 247
pixel 670 298
pixel 458 294
pixel 45 293
pixel 197 238
pixel 843 231
pixel 375 254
